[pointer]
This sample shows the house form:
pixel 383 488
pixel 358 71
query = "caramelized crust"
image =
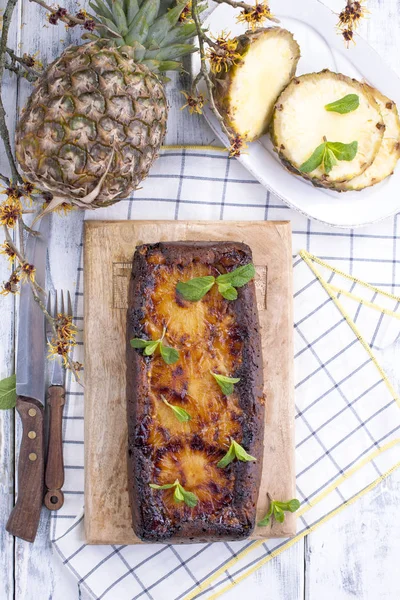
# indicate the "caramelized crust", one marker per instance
pixel 213 334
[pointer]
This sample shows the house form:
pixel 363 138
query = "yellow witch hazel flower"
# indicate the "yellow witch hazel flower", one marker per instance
pixel 186 14
pixel 351 15
pixel 256 16
pixel 18 191
pixel 64 340
pixel 349 20
pixel 31 60
pixel 28 189
pixel 28 272
pixel 222 54
pixel 194 103
pixel 66 329
pixel 238 144
pixel 10 211
pixel 8 251
pixel 59 348
pixel 11 286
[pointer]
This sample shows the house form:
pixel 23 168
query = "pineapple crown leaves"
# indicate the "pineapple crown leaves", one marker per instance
pixel 150 27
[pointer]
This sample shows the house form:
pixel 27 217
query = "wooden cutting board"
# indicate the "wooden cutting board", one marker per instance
pixel 109 248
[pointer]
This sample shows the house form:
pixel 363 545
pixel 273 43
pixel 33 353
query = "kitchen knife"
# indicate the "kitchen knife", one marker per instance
pixel 30 366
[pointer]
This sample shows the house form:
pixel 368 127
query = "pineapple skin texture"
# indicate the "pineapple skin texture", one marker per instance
pixel 91 102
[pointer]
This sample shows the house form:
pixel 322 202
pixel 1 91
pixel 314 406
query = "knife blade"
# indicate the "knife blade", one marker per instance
pixel 30 371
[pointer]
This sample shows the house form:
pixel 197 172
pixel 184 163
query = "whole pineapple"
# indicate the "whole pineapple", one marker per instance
pixel 94 124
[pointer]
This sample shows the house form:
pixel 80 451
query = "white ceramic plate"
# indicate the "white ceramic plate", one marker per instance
pixel 314 27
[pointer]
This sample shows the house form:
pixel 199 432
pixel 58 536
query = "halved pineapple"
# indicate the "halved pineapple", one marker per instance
pixel 246 93
pixel 389 152
pixel 301 123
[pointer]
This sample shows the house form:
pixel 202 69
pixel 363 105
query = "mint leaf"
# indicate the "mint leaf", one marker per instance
pixel 238 277
pixel 139 343
pixel 279 514
pixel 343 151
pixel 151 347
pixel 329 160
pixel 8 392
pixel 225 383
pixel 227 459
pixel 278 509
pixel 179 412
pixel 178 494
pixel 181 495
pixel 196 288
pixel 345 105
pixel 227 291
pixel 314 161
pixel 169 355
pixel 189 498
pixel 235 451
pixel 241 453
pixel 293 505
pixel 290 506
pixel 327 153
pixel 167 486
pixel 265 521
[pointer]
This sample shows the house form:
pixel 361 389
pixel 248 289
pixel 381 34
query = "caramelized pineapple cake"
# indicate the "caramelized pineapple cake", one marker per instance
pixel 195 393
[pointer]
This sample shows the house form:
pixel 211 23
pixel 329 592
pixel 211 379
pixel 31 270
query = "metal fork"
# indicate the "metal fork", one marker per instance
pixel 54 475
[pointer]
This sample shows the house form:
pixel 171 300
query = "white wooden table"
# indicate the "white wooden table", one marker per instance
pixel 356 555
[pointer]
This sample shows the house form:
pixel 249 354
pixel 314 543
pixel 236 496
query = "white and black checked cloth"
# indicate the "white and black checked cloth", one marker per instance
pixel 347 413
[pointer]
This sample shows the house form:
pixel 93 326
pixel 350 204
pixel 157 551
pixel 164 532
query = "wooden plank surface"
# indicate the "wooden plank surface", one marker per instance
pixel 292 575
pixel 108 251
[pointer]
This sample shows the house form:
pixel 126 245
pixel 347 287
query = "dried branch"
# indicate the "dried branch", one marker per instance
pixel 242 5
pixel 235 4
pixel 21 73
pixel 4 179
pixel 71 20
pixel 23 62
pixel 12 245
pixel 37 290
pixel 203 68
pixel 67 18
pixel 3 126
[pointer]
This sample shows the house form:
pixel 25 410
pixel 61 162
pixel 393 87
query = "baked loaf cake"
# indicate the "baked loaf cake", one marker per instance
pixel 212 335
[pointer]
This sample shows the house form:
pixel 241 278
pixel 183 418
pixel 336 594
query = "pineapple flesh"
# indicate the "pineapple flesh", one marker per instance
pixel 389 152
pixel 246 93
pixel 301 122
pixel 95 122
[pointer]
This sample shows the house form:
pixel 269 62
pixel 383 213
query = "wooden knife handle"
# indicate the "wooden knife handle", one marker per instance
pixel 24 519
pixel 54 477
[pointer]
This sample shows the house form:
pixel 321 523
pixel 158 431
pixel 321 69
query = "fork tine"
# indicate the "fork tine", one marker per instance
pixel 62 303
pixel 55 306
pixel 69 309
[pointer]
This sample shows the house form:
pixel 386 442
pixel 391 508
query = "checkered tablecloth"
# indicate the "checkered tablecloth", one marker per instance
pixel 347 412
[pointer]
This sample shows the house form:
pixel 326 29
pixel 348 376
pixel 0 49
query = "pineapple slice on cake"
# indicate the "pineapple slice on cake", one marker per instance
pixel 95 122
